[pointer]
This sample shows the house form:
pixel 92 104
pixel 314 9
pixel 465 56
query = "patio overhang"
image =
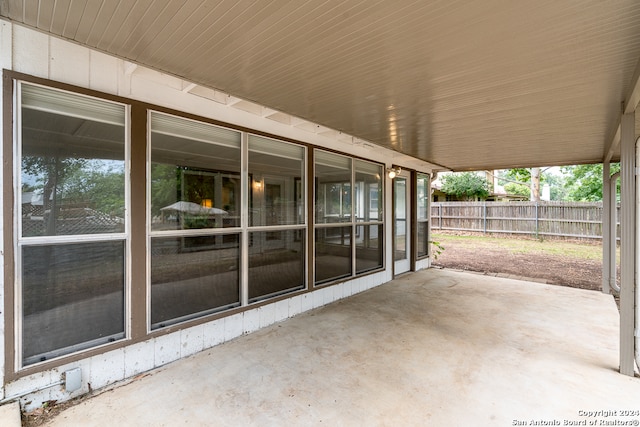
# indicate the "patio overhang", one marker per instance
pixel 463 85
pixel 460 85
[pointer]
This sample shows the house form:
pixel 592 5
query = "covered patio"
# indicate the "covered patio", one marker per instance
pixel 291 115
pixel 404 353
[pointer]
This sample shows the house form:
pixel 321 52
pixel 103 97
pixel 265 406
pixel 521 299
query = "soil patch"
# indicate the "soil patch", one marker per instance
pixel 574 264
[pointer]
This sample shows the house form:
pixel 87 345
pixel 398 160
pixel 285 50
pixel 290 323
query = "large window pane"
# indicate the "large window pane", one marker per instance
pixel 73 163
pixel 73 297
pixel 72 151
pixel 401 249
pixel 342 199
pixel 193 276
pixel 423 239
pixel 276 193
pixel 333 253
pixel 195 175
pixel 423 198
pixel 276 262
pixel 368 247
pixel 333 188
pixel 368 195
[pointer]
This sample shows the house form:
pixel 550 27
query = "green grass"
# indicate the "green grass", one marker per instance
pixel 522 245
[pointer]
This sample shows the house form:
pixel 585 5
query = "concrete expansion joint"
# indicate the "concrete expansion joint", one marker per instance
pixel 501 275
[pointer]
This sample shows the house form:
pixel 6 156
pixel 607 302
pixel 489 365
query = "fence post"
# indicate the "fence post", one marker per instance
pixel 484 217
pixel 537 227
pixel 440 215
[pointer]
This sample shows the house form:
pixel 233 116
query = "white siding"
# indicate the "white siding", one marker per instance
pixel 69 63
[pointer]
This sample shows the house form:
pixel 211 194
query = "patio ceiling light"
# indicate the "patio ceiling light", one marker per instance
pixel 393 172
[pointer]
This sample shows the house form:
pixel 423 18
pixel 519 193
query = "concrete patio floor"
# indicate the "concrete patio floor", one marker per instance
pixel 437 347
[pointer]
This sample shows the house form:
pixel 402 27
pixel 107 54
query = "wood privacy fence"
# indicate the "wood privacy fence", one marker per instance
pixel 539 219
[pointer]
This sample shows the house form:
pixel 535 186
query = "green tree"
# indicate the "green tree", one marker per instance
pixel 166 182
pixel 516 180
pixel 466 185
pixel 99 184
pixel 521 175
pixel 584 182
pixel 531 177
pixel 50 173
pixel 519 189
pixel 557 186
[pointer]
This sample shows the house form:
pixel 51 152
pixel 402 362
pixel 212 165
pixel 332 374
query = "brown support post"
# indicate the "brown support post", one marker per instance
pixel 7 224
pixel 138 216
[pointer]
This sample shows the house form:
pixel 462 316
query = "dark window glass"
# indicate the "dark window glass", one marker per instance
pixel 72 296
pixel 333 253
pixel 423 239
pixel 193 276
pixel 276 263
pixel 368 247
pixel 71 171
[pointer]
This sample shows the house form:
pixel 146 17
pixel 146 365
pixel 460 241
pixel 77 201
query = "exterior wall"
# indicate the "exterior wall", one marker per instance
pixel 423 263
pixel 30 52
pixel 116 365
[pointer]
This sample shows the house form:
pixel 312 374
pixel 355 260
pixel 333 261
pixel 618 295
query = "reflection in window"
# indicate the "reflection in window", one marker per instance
pixel 193 276
pixel 195 185
pixel 276 265
pixel 369 214
pixel 334 197
pixel 195 175
pixel 276 187
pixel 71 171
pixel 277 253
pixel 72 168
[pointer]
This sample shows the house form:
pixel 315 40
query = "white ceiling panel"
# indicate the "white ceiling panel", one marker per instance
pixel 462 84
